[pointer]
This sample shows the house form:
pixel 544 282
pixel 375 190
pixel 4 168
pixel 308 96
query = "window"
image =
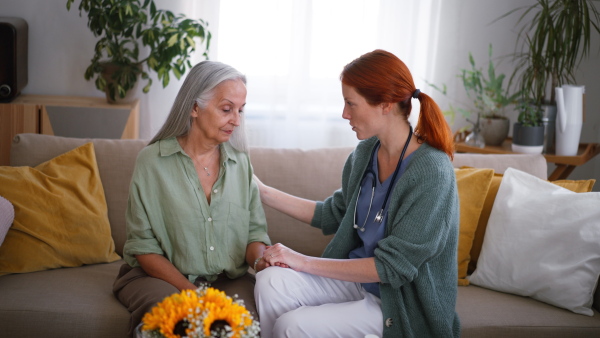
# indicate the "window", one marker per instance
pixel 293 51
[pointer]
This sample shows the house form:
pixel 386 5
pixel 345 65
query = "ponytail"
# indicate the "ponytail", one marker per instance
pixel 432 126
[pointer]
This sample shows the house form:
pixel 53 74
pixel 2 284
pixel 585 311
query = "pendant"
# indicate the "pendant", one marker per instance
pixel 207 173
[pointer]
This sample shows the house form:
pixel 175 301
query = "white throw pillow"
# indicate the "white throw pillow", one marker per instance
pixel 7 216
pixel 542 241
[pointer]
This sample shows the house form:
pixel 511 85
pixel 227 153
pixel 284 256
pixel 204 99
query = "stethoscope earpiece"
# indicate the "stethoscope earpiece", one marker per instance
pixel 361 229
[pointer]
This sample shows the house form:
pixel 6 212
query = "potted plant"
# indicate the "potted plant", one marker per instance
pixel 489 96
pixel 135 38
pixel 528 131
pixel 554 38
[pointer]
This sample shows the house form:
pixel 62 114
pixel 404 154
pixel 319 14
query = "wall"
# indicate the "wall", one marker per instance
pixel 60 47
pixel 468 26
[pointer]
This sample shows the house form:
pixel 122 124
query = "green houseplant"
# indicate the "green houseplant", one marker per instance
pixel 553 39
pixel 551 45
pixel 489 96
pixel 135 38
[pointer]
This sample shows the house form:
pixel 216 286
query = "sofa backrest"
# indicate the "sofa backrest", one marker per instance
pixel 535 165
pixel 115 158
pixel 312 174
pixel 315 174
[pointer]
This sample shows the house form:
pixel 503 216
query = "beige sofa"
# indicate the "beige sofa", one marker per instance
pixel 78 302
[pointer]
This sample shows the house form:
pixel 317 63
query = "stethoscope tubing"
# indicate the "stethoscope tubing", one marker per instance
pixel 369 170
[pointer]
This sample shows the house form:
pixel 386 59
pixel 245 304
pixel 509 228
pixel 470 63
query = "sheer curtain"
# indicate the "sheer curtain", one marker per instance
pixel 293 51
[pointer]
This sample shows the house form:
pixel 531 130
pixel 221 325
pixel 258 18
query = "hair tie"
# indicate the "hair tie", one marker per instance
pixel 415 95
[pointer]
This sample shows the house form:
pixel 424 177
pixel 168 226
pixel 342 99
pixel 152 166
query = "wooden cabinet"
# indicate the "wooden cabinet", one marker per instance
pixel 69 116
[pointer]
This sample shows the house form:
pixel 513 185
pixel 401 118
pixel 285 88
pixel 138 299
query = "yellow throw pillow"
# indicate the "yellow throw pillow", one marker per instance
pixel 576 186
pixel 61 217
pixel 473 184
pixel 483 219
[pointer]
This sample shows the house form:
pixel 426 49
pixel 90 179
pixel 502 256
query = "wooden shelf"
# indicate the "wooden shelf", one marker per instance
pixel 564 164
pixel 69 116
pixel 585 152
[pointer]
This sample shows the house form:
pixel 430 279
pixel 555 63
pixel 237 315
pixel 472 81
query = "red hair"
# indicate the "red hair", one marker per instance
pixel 381 77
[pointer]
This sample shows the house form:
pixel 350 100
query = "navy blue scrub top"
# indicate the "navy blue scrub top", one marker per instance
pixel 374 231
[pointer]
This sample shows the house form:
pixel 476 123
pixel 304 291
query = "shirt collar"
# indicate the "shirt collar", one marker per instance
pixel 170 146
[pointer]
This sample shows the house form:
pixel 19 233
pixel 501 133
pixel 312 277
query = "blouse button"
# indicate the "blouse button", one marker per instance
pixel 209 219
pixel 212 248
pixel 216 191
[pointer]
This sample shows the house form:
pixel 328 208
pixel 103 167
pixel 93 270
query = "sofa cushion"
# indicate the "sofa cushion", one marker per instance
pixel 492 314
pixel 67 302
pixel 60 214
pixel 542 241
pixel 115 159
pixel 473 184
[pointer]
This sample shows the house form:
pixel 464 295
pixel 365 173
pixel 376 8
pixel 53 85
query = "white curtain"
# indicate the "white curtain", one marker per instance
pixel 293 51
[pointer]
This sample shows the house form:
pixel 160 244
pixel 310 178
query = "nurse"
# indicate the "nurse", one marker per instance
pixel 390 269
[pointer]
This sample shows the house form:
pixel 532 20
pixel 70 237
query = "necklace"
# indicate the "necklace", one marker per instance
pixel 209 159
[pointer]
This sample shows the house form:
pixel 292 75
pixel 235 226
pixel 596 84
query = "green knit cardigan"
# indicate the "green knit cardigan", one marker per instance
pixel 417 259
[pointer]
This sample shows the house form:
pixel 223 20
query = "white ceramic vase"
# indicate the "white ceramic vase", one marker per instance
pixel 569 119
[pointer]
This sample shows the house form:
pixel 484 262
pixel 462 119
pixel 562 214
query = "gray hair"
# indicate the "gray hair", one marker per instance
pixel 198 87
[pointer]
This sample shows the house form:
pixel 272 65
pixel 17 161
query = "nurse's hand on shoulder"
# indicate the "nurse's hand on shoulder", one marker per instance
pixel 282 256
pixel 261 185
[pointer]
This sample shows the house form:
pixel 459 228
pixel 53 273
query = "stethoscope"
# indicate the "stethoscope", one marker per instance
pixel 379 215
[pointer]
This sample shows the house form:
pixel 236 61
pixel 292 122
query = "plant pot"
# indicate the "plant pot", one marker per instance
pixel 528 140
pixel 109 70
pixel 494 130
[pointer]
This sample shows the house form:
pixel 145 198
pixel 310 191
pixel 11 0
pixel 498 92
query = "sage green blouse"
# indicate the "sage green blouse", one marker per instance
pixel 168 213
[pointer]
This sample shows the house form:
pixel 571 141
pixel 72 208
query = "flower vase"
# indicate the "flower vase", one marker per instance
pixel 569 101
pixel 137 333
pixel 475 139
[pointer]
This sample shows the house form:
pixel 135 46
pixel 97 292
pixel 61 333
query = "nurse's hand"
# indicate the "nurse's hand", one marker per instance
pixel 282 256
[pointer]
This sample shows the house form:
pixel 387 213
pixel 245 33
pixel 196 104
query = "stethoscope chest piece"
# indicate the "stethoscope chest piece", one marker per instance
pixel 379 216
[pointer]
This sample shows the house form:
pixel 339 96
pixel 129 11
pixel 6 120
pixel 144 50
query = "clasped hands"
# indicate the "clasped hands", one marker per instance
pixel 284 257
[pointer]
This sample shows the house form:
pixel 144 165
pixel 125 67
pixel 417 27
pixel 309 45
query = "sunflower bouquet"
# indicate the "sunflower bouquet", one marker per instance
pixel 204 312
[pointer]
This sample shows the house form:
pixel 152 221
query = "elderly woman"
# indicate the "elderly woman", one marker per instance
pixel 194 213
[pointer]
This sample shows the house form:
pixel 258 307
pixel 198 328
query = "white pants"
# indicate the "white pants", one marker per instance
pixel 296 304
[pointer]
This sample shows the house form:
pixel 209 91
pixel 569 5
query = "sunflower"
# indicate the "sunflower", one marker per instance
pixel 223 310
pixel 205 312
pixel 171 313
